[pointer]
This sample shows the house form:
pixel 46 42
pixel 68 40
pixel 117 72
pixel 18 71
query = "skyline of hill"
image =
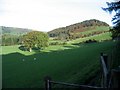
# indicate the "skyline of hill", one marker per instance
pixel 14 30
pixel 81 29
pixel 73 28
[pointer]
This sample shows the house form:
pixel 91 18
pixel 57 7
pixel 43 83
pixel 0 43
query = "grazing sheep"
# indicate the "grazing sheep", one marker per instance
pixel 23 59
pixel 34 58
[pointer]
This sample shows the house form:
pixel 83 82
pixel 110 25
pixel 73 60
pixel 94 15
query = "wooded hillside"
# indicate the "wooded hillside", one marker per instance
pixel 14 30
pixel 76 30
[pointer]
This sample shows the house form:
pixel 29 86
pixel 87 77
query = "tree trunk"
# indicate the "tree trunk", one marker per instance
pixel 30 49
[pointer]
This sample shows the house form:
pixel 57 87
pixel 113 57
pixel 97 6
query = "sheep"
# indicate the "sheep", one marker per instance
pixel 34 58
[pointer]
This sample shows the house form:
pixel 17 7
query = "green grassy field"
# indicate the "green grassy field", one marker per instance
pixel 92 29
pixel 70 63
pixel 99 38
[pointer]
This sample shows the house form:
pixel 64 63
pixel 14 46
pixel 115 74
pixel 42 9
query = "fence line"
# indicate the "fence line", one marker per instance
pixel 76 85
pixel 107 77
pixel 49 82
pixel 104 66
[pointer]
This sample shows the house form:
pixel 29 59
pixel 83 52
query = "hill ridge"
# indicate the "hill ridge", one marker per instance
pixel 76 28
pixel 14 30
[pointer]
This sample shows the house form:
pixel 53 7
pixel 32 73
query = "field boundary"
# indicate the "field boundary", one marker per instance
pixel 49 82
pixel 108 80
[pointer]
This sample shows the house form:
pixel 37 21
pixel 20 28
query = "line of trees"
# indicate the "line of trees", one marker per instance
pixel 114 6
pixel 8 39
pixel 72 36
pixel 34 39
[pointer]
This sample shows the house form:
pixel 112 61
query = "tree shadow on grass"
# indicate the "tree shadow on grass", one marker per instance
pixel 22 48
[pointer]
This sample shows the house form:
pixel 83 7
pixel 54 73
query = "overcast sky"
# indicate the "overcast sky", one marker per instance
pixel 45 15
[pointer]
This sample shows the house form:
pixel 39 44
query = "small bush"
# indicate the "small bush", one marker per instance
pixel 54 43
pixel 23 48
pixel 58 43
pixel 90 41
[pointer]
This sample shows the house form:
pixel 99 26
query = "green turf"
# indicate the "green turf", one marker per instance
pixel 99 38
pixel 73 65
pixel 14 49
pixel 96 29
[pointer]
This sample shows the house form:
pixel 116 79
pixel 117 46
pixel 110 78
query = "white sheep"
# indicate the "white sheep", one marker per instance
pixel 34 58
pixel 23 59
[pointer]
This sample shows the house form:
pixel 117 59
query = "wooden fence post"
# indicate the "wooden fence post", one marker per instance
pixel 116 78
pixel 47 83
pixel 104 64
